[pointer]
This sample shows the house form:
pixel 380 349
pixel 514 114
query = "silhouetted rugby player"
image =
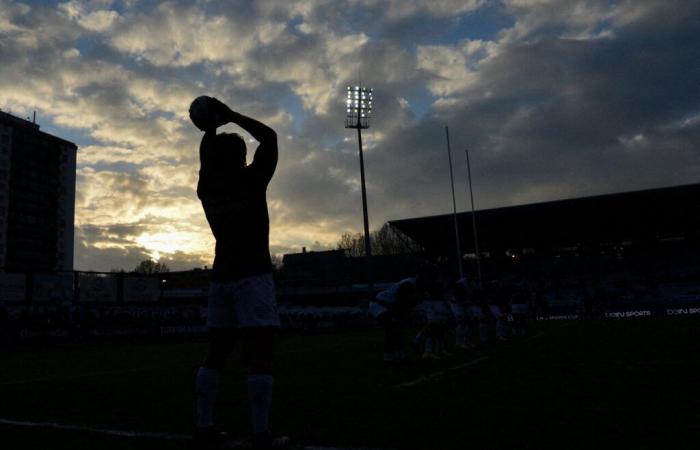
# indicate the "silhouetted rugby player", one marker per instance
pixel 242 303
pixel 234 198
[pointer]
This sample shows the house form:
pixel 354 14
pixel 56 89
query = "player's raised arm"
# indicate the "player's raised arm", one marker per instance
pixel 261 132
pixel 265 159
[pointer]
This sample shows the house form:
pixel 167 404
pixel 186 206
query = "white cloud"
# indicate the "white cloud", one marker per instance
pixel 453 69
pixel 551 106
pixel 176 35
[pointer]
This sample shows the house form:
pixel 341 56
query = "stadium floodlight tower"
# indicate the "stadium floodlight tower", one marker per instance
pixel 358 106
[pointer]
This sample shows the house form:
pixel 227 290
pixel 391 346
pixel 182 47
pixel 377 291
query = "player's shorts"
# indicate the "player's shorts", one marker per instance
pixel 476 313
pixel 243 303
pixel 496 311
pixel 435 311
pixel 458 311
pixel 518 308
pixel 377 309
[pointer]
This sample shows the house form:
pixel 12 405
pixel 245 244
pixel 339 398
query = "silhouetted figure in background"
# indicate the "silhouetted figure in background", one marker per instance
pixel 242 305
pixel 436 315
pixel 392 307
pixel 463 310
pixel 520 307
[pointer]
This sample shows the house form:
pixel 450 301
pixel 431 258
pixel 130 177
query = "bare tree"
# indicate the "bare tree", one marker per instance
pixel 148 266
pixel 385 241
pixel 390 241
pixel 352 243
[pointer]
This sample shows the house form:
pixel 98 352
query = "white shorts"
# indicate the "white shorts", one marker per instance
pixel 476 313
pixel 243 303
pixel 458 310
pixel 435 311
pixel 376 309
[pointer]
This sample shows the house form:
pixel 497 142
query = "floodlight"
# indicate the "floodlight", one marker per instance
pixel 358 106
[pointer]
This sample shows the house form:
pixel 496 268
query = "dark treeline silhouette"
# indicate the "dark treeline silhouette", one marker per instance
pixel 385 241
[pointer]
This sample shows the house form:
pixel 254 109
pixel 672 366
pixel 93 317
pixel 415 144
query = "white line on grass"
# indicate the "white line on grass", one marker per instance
pixel 441 373
pixel 537 335
pixel 470 363
pixel 132 434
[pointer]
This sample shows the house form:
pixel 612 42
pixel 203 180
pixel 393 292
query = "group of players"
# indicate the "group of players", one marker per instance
pixel 477 314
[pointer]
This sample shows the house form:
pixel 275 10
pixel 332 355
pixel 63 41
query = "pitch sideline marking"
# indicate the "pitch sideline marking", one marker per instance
pixel 537 335
pixel 440 373
pixel 473 362
pixel 130 433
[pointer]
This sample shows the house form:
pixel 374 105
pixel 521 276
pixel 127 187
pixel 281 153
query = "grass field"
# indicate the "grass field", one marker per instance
pixel 574 385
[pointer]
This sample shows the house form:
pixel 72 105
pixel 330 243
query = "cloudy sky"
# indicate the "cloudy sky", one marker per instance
pixel 554 99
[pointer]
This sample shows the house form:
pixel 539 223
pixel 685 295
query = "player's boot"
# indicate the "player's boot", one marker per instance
pixel 440 349
pixel 416 345
pixel 430 355
pixel 265 441
pixel 209 438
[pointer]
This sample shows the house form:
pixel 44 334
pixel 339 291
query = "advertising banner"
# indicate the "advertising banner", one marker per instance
pixel 12 287
pixel 56 288
pixel 141 289
pixel 98 288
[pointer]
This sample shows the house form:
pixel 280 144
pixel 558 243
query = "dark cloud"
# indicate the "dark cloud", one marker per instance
pixel 569 99
pixel 558 112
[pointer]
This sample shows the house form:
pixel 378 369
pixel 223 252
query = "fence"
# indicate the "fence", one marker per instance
pixel 80 287
pixel 85 305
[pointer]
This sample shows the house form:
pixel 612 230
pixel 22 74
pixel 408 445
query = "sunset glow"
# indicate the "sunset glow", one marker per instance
pixel 552 98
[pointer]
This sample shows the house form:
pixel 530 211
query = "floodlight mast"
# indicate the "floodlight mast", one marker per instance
pixel 358 106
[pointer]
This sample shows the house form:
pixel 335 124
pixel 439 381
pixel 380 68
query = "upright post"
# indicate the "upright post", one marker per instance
pixel 454 206
pixel 476 237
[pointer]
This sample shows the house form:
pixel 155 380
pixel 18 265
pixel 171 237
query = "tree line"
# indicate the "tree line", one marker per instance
pixel 385 241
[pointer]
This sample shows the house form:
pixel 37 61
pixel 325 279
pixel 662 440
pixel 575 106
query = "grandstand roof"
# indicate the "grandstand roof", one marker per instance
pixel 628 216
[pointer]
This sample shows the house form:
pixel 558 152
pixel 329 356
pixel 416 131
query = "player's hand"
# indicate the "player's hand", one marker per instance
pixel 220 113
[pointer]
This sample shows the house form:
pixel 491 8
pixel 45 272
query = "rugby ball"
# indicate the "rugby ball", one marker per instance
pixel 201 114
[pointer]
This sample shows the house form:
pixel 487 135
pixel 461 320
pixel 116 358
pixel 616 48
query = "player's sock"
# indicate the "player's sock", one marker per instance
pixel 501 327
pixel 207 385
pixel 430 345
pixel 469 334
pixel 483 333
pixel 260 396
pixel 461 335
